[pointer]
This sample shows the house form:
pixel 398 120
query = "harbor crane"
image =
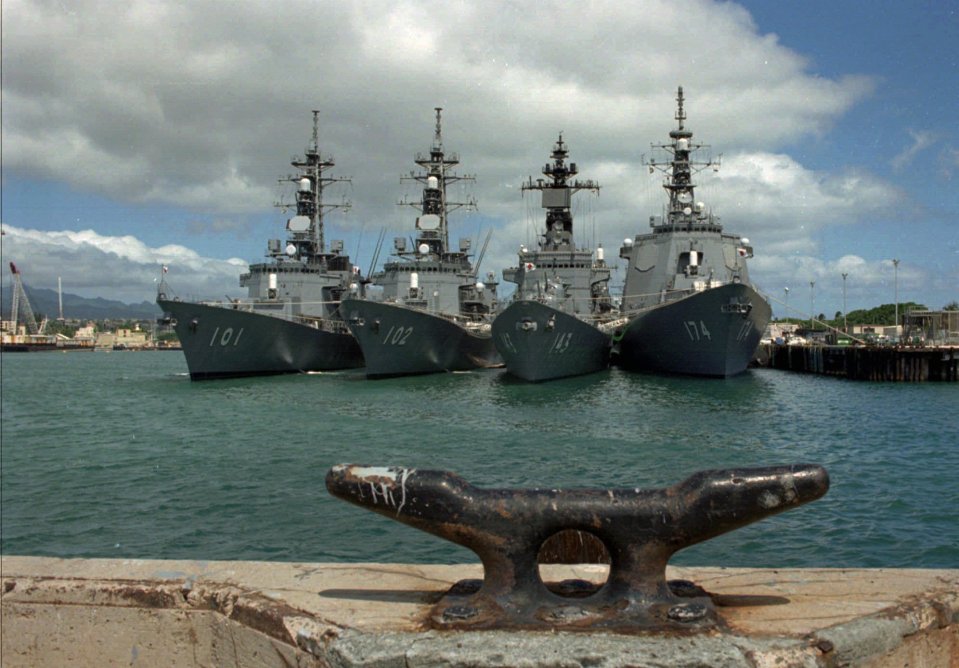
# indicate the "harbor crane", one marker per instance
pixel 20 302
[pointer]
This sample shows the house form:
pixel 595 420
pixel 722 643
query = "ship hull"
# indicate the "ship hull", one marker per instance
pixel 538 342
pixel 220 342
pixel 710 333
pixel 400 341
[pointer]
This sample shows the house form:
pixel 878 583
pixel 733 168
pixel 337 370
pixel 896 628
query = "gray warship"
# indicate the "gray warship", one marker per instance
pixel 689 305
pixel 434 314
pixel 289 322
pixel 558 322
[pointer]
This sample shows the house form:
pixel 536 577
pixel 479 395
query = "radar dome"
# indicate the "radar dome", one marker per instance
pixel 290 250
pixel 424 249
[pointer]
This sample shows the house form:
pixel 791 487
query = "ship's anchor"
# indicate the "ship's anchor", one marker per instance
pixel 640 530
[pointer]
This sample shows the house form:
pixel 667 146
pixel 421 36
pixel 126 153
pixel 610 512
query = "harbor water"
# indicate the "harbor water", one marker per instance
pixel 120 455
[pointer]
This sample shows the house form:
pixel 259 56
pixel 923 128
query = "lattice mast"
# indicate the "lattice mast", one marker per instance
pixel 557 196
pixel 434 206
pixel 679 170
pixel 307 227
pixel 20 302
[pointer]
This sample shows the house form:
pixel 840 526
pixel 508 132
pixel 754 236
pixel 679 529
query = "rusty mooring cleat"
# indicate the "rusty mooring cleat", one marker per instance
pixel 640 528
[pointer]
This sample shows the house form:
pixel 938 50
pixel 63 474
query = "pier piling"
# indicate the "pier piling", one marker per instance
pixel 886 364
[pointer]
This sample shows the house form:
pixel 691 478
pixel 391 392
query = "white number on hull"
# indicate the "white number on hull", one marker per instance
pixel 697 332
pixel 561 342
pixel 226 338
pixel 397 336
pixel 744 331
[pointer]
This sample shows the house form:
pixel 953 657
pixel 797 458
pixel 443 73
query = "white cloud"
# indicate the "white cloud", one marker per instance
pixel 920 142
pixel 123 268
pixel 949 162
pixel 187 104
pixel 783 205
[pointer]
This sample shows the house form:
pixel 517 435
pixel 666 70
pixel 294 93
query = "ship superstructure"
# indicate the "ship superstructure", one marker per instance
pixel 690 306
pixel 553 327
pixel 290 319
pixel 434 313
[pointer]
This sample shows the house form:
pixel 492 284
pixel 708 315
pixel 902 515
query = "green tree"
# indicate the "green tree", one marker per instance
pixel 882 315
pixel 57 327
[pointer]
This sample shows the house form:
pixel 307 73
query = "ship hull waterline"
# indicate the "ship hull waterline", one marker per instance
pixel 539 342
pixel 397 340
pixel 221 342
pixel 710 333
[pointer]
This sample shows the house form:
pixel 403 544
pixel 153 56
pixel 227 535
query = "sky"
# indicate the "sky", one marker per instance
pixel 149 133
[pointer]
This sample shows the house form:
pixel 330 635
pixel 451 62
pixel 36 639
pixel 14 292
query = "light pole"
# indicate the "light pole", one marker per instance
pixel 812 302
pixel 845 327
pixel 895 265
pixel 786 290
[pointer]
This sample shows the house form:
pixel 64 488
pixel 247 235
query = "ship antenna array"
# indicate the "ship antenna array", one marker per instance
pixel 479 260
pixel 680 114
pixel 438 164
pixel 376 252
pixel 312 167
pixel 438 133
pixel 680 133
pixel 560 175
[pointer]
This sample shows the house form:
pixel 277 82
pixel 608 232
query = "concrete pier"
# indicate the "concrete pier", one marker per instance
pixel 101 612
pixel 865 362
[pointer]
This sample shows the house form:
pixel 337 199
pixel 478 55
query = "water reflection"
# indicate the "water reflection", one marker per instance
pixel 744 391
pixel 507 390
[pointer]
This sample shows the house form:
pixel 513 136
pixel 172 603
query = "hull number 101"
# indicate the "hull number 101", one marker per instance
pixel 227 337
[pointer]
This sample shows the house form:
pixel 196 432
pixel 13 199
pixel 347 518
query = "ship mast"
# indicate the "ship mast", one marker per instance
pixel 679 171
pixel 306 228
pixel 557 197
pixel 432 224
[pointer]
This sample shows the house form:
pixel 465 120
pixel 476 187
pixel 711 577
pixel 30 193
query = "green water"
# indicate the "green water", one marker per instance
pixel 121 455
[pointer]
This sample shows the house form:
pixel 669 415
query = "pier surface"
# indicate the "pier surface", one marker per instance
pixel 95 612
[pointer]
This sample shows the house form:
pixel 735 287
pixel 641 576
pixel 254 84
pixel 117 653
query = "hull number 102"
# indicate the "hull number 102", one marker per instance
pixel 397 335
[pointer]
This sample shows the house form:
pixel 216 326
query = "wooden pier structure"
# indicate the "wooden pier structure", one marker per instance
pixel 877 363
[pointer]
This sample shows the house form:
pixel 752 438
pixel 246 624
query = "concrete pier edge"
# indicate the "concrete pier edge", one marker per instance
pixel 95 612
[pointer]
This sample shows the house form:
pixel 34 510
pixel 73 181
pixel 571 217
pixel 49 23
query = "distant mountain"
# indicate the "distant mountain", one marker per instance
pixel 44 302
